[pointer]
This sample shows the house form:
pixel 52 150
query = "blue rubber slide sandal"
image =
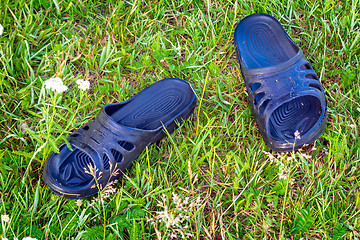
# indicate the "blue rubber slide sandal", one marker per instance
pixel 104 148
pixel 285 94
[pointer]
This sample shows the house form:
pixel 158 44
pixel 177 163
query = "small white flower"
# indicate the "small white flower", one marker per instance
pixel 79 202
pixel 271 157
pixel 5 218
pixel 55 84
pixel 297 134
pixel 29 238
pixel 173 235
pixel 282 175
pixel 326 151
pixel 83 84
pixel 292 182
pixel 283 172
pixel 1 29
pixel 4 238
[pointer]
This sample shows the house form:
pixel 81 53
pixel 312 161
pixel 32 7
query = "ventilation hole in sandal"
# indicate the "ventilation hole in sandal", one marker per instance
pixel 317 86
pixel 263 106
pixel 126 145
pixel 311 76
pixel 94 139
pixel 117 155
pixel 83 160
pixel 255 86
pixel 305 66
pixel 106 162
pixel 86 127
pixel 75 135
pixel 258 97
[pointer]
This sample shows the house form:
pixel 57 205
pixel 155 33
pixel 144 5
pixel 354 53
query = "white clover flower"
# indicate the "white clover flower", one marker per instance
pixel 297 134
pixel 29 238
pixel 1 29
pixel 4 238
pixel 83 84
pixel 55 84
pixel 5 218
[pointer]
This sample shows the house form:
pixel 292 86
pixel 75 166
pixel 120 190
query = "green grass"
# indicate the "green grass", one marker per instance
pixel 218 155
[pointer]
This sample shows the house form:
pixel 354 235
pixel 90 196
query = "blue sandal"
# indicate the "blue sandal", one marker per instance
pixel 285 94
pixel 104 148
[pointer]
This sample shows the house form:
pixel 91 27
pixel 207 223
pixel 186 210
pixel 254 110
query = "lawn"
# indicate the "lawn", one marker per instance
pixel 214 176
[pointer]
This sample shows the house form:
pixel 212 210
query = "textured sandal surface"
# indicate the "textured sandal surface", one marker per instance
pixel 285 94
pixel 104 148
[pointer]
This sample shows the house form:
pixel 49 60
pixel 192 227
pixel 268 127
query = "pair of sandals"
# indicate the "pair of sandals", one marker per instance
pixel 285 95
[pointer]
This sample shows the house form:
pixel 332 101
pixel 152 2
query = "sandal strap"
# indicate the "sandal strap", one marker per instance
pixel 264 89
pixel 112 143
